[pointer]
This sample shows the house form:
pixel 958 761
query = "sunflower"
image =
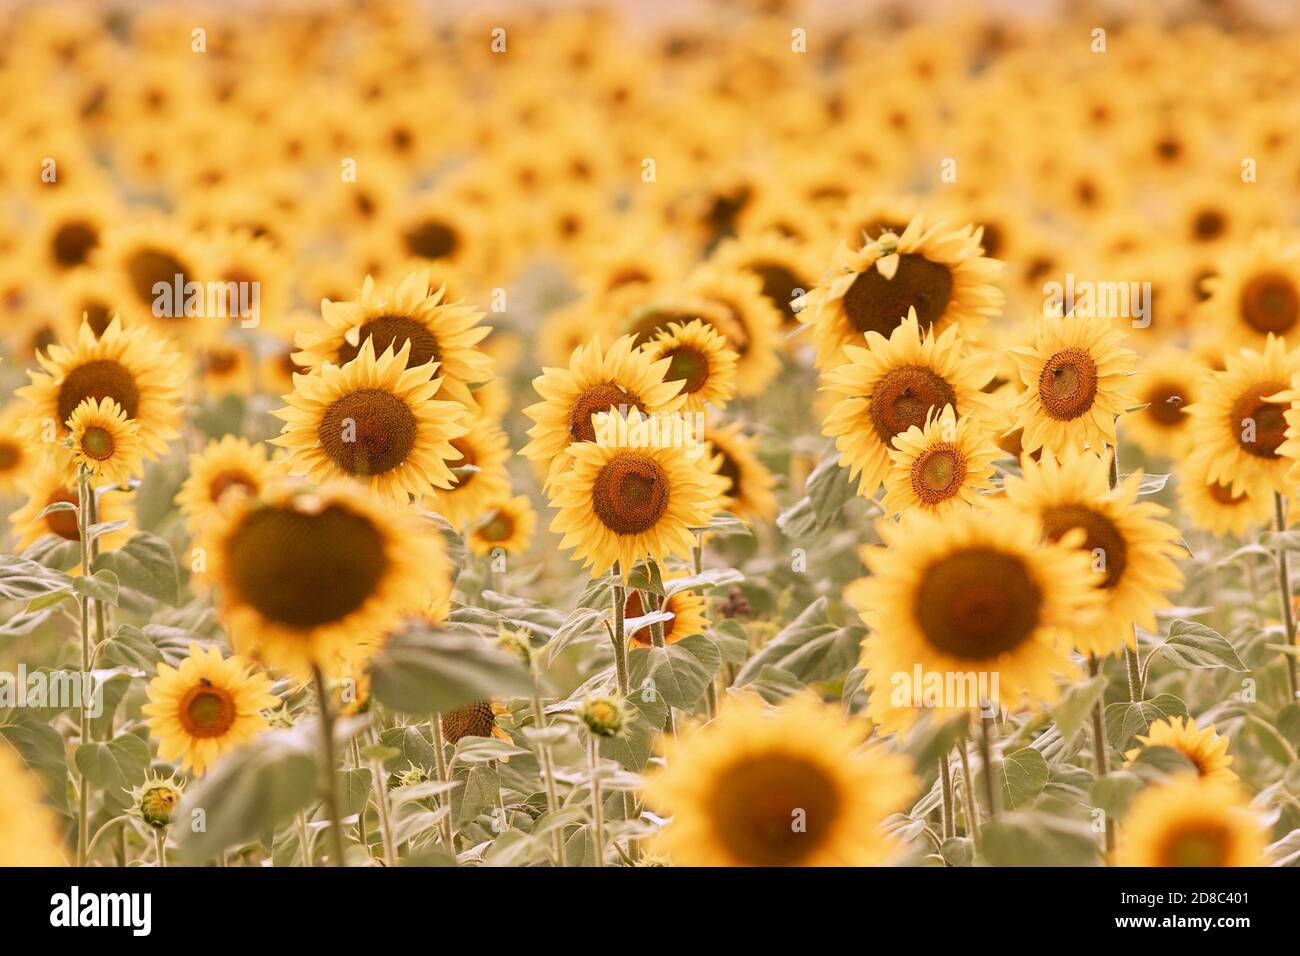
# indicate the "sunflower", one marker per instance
pixel 146 257
pixel 308 576
pixel 791 786
pixel 1167 382
pixel 105 442
pixel 1238 426
pixel 128 366
pixel 627 497
pixel 598 379
pixel 71 228
pixel 1073 373
pixel 754 325
pixel 438 331
pixel 1131 550
pixel 940 466
pixel 29 830
pixel 485 447
pixel 1255 291
pixel 88 294
pixel 892 385
pixel 1207 751
pixel 976 593
pixel 686 607
pixel 1215 507
pixel 206 707
pixel 786 267
pixel 478 719
pixel 51 482
pixel 225 368
pixel 648 320
pixel 748 492
pixel 375 420
pixel 232 464
pixel 16 457
pixel 1191 821
pixel 700 359
pixel 931 270
pixel 507 523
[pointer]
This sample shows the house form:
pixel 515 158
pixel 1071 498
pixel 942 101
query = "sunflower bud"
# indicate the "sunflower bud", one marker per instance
pixel 603 716
pixel 155 800
pixel 515 644
pixel 411 776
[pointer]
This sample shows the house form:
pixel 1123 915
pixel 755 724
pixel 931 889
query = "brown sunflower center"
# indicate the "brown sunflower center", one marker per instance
pixel 1199 844
pixel 304 570
pixel 432 239
pixel 1067 386
pixel 633 608
pixel 146 267
pixel 779 285
pixel 63 523
pixel 368 432
pixel 1165 400
pixel 595 399
pixel 218 362
pixel 472 720
pixel 690 365
pixel 99 379
pixel 1208 225
pixel 904 396
pixel 395 330
pixel 992 241
pixel 1270 302
pixel 98 315
pixel 650 322
pixel 1104 540
pixel 938 472
pixel 977 603
pixel 468 457
pixel 498 528
pixel 630 494
pixel 1260 426
pixel 207 710
pixel 97 443
pixel 774 809
pixel 1223 494
pixel 73 242
pixel 11 455
pixel 226 480
pixel 730 469
pixel 876 304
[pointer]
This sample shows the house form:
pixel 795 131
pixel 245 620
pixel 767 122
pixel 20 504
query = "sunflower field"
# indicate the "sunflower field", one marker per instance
pixel 760 433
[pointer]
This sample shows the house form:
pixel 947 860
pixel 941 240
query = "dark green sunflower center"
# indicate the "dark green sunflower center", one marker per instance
pixel 368 432
pixel 774 809
pixel 1204 844
pixel 97 443
pixel 207 710
pixel 876 304
pixel 498 528
pixel 938 473
pixel 690 365
pixel 630 493
pixel 977 603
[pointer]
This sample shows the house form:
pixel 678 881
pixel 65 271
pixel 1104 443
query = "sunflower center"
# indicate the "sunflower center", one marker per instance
pixel 598 398
pixel 1067 386
pixel 904 396
pixel 938 472
pixel 1208 225
pixel 633 608
pixel 690 365
pixel 730 469
pixel 1202 844
pixel 99 379
pixel 779 285
pixel 395 330
pixel 1260 425
pixel 226 480
pixel 876 304
pixel 1165 401
pixel 1270 303
pixel 73 242
pixel 649 323
pixel 1223 494
pixel 305 570
pixel 63 523
pixel 774 809
pixel 10 456
pixel 992 241
pixel 97 443
pixel 98 315
pixel 147 267
pixel 432 239
pixel 468 457
pixel 630 494
pixel 1104 540
pixel 368 432
pixel 977 603
pixel 220 361
pixel 207 710
pixel 473 720
pixel 499 528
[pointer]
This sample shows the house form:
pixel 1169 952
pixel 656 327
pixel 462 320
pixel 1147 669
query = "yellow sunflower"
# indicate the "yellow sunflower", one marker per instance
pixel 150 259
pixel 931 269
pixel 790 786
pixel 627 497
pixel 438 331
pixel 1255 291
pixel 105 442
pixel 16 456
pixel 975 593
pixel 29 830
pixel 787 267
pixel 1207 751
pixel 1167 383
pixel 51 482
pixel 1074 374
pixel 1213 506
pixel 597 380
pixel 1238 427
pixel 754 325
pixel 485 447
pixel 129 366
pixel 232 464
pixel 375 420
pixel 507 523
pixel 686 607
pixel 206 707
pixel 1191 821
pixel 310 576
pixel 1131 551
pixel 891 386
pixel 748 489
pixel 478 719
pixel 700 359
pixel 943 465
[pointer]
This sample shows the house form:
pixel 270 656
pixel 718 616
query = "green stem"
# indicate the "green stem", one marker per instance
pixel 330 759
pixel 597 800
pixel 1101 749
pixel 160 844
pixel 380 781
pixel 1284 595
pixel 618 638
pixel 986 757
pixel 94 841
pixel 304 839
pixel 440 774
pixel 968 797
pixel 548 778
pixel 945 788
pixel 83 787
pixel 1134 674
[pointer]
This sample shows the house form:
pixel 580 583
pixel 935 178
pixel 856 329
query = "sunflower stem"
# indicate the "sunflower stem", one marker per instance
pixel 968 798
pixel 945 782
pixel 619 641
pixel 986 757
pixel 304 838
pixel 380 780
pixel 330 759
pixel 440 774
pixel 1134 674
pixel 597 800
pixel 1284 595
pixel 1100 747
pixel 548 777
pixel 83 787
pixel 160 845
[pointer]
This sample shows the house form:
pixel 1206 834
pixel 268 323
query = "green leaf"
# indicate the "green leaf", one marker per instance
pixel 772 684
pixel 648 713
pixel 729 634
pixel 1124 721
pixel 958 851
pixel 41 748
pixel 425 672
pixel 22 579
pixel 145 564
pixel 130 647
pixel 1077 703
pixel 51 599
pixel 725 525
pixel 101 586
pixel 1113 792
pixel 54 551
pixel 1021 776
pixel 828 488
pixel 679 672
pixel 114 766
pixel 1025 838
pixel 646 577
pixel 413 745
pixel 354 789
pixel 713 578
pixel 1195 645
pixel 811 647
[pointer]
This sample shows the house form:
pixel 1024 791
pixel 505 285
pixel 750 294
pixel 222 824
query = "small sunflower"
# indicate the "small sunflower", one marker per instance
pixel 374 420
pixel 754 324
pixel 1074 374
pixel 128 366
pixel 686 607
pixel 478 719
pixel 786 267
pixel 105 442
pixel 307 576
pixel 1255 291
pixel 1191 821
pixel 51 483
pixel 700 359
pixel 748 492
pixel 1207 751
pixel 626 497
pixel 941 466
pixel 150 259
pixel 1238 426
pixel 29 830
pixel 1213 506
pixel 507 523
pixel 930 269
pixel 155 800
pixel 231 465
pixel 892 385
pixel 791 786
pixel 1131 550
pixel 975 592
pixel 206 707
pixel 1167 383
pixel 485 447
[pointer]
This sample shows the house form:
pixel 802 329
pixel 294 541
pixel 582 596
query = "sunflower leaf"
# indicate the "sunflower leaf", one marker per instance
pixel 115 765
pixel 811 647
pixel 130 647
pixel 145 564
pixel 424 671
pixel 1039 838
pixel 1124 721
pixel 1195 645
pixel 101 586
pixel 1077 703
pixel 679 672
pixel 22 579
pixel 632 750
